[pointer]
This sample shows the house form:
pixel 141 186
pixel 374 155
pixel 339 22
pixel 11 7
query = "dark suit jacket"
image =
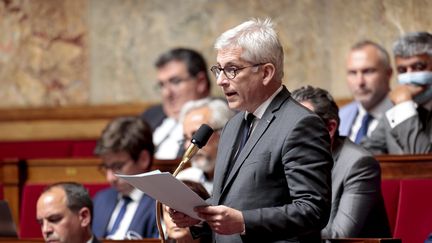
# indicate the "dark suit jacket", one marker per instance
pixel 413 136
pixel 143 222
pixel 281 179
pixel 154 116
pixel 357 204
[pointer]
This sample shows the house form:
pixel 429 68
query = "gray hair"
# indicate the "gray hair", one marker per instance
pixel 385 57
pixel 220 112
pixel 259 41
pixel 413 44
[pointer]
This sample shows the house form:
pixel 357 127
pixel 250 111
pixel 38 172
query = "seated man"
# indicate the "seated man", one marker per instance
pixel 64 211
pixel 368 77
pixel 215 113
pixel 124 212
pixel 182 75
pixel 357 204
pixel 407 127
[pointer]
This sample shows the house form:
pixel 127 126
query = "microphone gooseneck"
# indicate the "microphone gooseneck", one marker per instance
pixel 199 140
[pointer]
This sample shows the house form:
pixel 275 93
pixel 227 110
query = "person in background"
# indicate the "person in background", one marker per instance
pixel 407 127
pixel 215 113
pixel 273 167
pixel 358 209
pixel 181 76
pixel 64 211
pixel 182 235
pixel 368 77
pixel 124 212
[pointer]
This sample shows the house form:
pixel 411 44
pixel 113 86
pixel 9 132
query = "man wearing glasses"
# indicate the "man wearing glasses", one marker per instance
pixel 215 113
pixel 273 167
pixel 181 76
pixel 122 211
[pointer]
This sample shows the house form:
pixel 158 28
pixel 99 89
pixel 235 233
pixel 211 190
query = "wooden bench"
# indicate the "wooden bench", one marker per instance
pixel 18 173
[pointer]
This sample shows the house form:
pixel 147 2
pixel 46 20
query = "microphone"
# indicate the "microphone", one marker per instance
pixel 199 140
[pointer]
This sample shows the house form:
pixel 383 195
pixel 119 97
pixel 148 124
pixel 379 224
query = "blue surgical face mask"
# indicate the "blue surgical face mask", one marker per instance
pixel 423 78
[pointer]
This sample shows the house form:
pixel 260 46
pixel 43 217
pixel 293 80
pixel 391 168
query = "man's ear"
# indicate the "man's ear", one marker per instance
pixel 202 84
pixel 269 72
pixel 332 126
pixel 84 217
pixel 144 160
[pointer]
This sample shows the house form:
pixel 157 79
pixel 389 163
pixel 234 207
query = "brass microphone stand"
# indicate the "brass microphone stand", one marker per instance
pixel 190 152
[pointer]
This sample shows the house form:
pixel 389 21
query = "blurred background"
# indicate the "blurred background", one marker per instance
pixel 92 52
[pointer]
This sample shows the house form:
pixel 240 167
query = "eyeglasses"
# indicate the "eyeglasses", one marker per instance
pixel 172 82
pixel 230 71
pixel 115 167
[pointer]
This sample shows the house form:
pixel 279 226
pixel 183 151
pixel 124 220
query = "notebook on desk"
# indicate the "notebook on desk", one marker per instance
pixel 7 225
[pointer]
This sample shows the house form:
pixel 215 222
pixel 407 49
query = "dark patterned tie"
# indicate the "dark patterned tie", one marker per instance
pixel 363 128
pixel 245 131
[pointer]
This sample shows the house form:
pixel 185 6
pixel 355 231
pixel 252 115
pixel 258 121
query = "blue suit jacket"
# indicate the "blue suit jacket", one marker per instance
pixel 143 222
pixel 347 115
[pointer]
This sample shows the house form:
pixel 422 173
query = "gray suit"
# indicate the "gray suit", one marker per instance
pixel 413 136
pixel 281 179
pixel 357 204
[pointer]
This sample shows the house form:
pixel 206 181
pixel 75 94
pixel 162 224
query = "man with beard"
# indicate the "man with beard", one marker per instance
pixel 215 113
pixel 368 78
pixel 64 211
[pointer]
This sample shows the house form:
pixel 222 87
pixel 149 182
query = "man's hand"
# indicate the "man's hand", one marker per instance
pixel 180 219
pixel 405 92
pixel 223 220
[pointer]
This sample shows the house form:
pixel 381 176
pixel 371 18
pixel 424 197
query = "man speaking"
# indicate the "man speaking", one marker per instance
pixel 272 175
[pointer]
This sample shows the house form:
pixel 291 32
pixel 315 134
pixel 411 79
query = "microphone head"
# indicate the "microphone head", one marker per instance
pixel 201 137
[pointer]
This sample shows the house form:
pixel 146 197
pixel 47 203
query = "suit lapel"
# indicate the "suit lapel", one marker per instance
pixel 261 127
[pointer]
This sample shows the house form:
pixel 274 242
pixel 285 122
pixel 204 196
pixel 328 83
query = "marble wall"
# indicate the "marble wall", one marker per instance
pixel 68 52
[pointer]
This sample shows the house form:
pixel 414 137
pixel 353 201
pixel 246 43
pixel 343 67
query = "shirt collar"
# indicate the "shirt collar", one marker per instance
pixel 378 110
pixel 259 112
pixel 135 195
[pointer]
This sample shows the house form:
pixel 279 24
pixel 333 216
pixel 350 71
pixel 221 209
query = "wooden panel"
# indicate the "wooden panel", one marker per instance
pixel 405 166
pixel 79 122
pixel 72 112
pixel 55 170
pixel 10 180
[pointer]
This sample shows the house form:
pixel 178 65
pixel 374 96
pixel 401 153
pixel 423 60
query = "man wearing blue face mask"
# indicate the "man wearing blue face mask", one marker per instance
pixel 407 127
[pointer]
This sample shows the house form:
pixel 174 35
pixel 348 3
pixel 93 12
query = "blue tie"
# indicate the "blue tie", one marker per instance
pixel 125 200
pixel 364 127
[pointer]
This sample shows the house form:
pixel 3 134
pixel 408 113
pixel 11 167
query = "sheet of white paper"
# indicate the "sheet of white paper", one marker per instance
pixel 165 188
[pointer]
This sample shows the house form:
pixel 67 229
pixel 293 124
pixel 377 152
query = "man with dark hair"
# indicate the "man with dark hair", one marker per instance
pixel 64 211
pixel 181 76
pixel 357 204
pixel 368 78
pixel 124 212
pixel 407 127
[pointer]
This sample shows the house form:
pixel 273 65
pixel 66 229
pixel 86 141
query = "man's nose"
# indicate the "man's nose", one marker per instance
pixel 110 176
pixel 222 80
pixel 46 228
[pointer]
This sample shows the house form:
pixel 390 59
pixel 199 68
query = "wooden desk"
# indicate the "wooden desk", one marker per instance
pixel 15 174
pixel 405 166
